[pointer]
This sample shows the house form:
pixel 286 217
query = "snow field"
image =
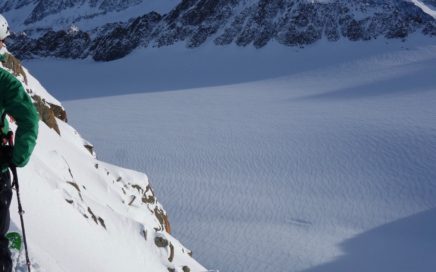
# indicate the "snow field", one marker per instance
pixel 282 174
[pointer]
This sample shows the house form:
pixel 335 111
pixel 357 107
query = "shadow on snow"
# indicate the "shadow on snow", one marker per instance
pixel 408 244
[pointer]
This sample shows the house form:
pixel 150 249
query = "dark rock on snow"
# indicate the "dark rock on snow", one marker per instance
pixel 195 22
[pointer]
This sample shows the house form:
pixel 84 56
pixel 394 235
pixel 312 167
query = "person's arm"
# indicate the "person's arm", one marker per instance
pixel 16 103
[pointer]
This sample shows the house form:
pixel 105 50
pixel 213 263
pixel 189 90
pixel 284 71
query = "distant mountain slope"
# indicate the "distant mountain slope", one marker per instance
pixel 88 29
pixel 44 14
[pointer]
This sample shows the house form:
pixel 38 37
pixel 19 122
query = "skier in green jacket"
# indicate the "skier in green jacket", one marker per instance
pixel 15 102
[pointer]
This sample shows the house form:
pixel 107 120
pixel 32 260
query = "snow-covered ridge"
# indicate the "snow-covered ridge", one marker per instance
pixel 83 214
pixel 426 8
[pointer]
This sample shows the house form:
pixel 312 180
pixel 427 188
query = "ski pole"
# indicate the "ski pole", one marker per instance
pixel 15 185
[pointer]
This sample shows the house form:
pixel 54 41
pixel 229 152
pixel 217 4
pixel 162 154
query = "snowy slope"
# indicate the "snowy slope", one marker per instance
pixel 327 168
pixel 429 9
pixel 83 214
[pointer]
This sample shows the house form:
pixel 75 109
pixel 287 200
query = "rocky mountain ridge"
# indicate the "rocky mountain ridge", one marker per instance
pixel 241 22
pixel 44 8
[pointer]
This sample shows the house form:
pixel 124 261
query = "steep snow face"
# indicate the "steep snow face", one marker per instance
pixel 83 214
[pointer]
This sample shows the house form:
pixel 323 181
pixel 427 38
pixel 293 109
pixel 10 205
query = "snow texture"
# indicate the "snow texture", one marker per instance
pixel 314 160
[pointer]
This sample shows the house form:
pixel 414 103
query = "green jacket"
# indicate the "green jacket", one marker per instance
pixel 16 103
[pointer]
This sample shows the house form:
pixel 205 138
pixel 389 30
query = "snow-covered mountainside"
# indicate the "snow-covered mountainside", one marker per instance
pixel 83 214
pixel 108 30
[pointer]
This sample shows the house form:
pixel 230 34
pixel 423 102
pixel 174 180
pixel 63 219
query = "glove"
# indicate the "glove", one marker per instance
pixel 12 63
pixel 6 155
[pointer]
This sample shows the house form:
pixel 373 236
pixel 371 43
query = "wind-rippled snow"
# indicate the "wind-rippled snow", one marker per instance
pixel 311 171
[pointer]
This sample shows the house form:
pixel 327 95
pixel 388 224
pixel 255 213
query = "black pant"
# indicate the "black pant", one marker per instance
pixel 5 202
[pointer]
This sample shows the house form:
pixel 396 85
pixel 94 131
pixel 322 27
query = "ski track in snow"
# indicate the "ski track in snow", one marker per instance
pixel 304 172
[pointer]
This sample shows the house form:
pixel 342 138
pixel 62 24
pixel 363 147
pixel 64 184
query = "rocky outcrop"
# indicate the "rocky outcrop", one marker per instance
pixel 59 112
pixel 40 9
pixel 48 112
pixel 123 39
pixel 257 22
pixel 71 44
